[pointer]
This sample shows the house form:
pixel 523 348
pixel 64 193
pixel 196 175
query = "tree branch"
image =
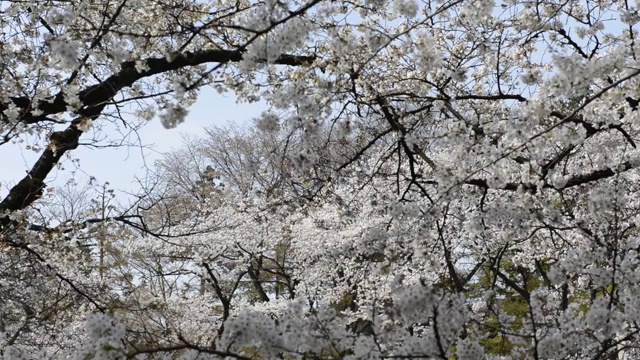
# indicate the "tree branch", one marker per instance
pixel 574 181
pixel 99 94
pixel 94 99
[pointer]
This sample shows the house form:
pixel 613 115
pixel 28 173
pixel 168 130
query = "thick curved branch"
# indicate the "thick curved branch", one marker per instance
pixel 99 94
pixel 30 187
pixel 94 99
pixel 574 181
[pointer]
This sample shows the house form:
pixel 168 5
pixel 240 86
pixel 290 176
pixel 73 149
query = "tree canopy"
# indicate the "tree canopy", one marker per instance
pixel 433 179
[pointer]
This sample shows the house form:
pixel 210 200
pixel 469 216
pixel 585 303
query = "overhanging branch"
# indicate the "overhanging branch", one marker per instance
pixel 98 94
pixel 573 181
pixel 94 99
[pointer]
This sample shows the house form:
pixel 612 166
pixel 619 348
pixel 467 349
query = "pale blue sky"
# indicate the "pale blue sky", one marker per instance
pixel 120 166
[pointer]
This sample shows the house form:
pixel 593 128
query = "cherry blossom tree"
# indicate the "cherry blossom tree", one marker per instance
pixel 432 179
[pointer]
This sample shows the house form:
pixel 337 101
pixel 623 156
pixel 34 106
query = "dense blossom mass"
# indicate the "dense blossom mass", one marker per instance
pixel 431 179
